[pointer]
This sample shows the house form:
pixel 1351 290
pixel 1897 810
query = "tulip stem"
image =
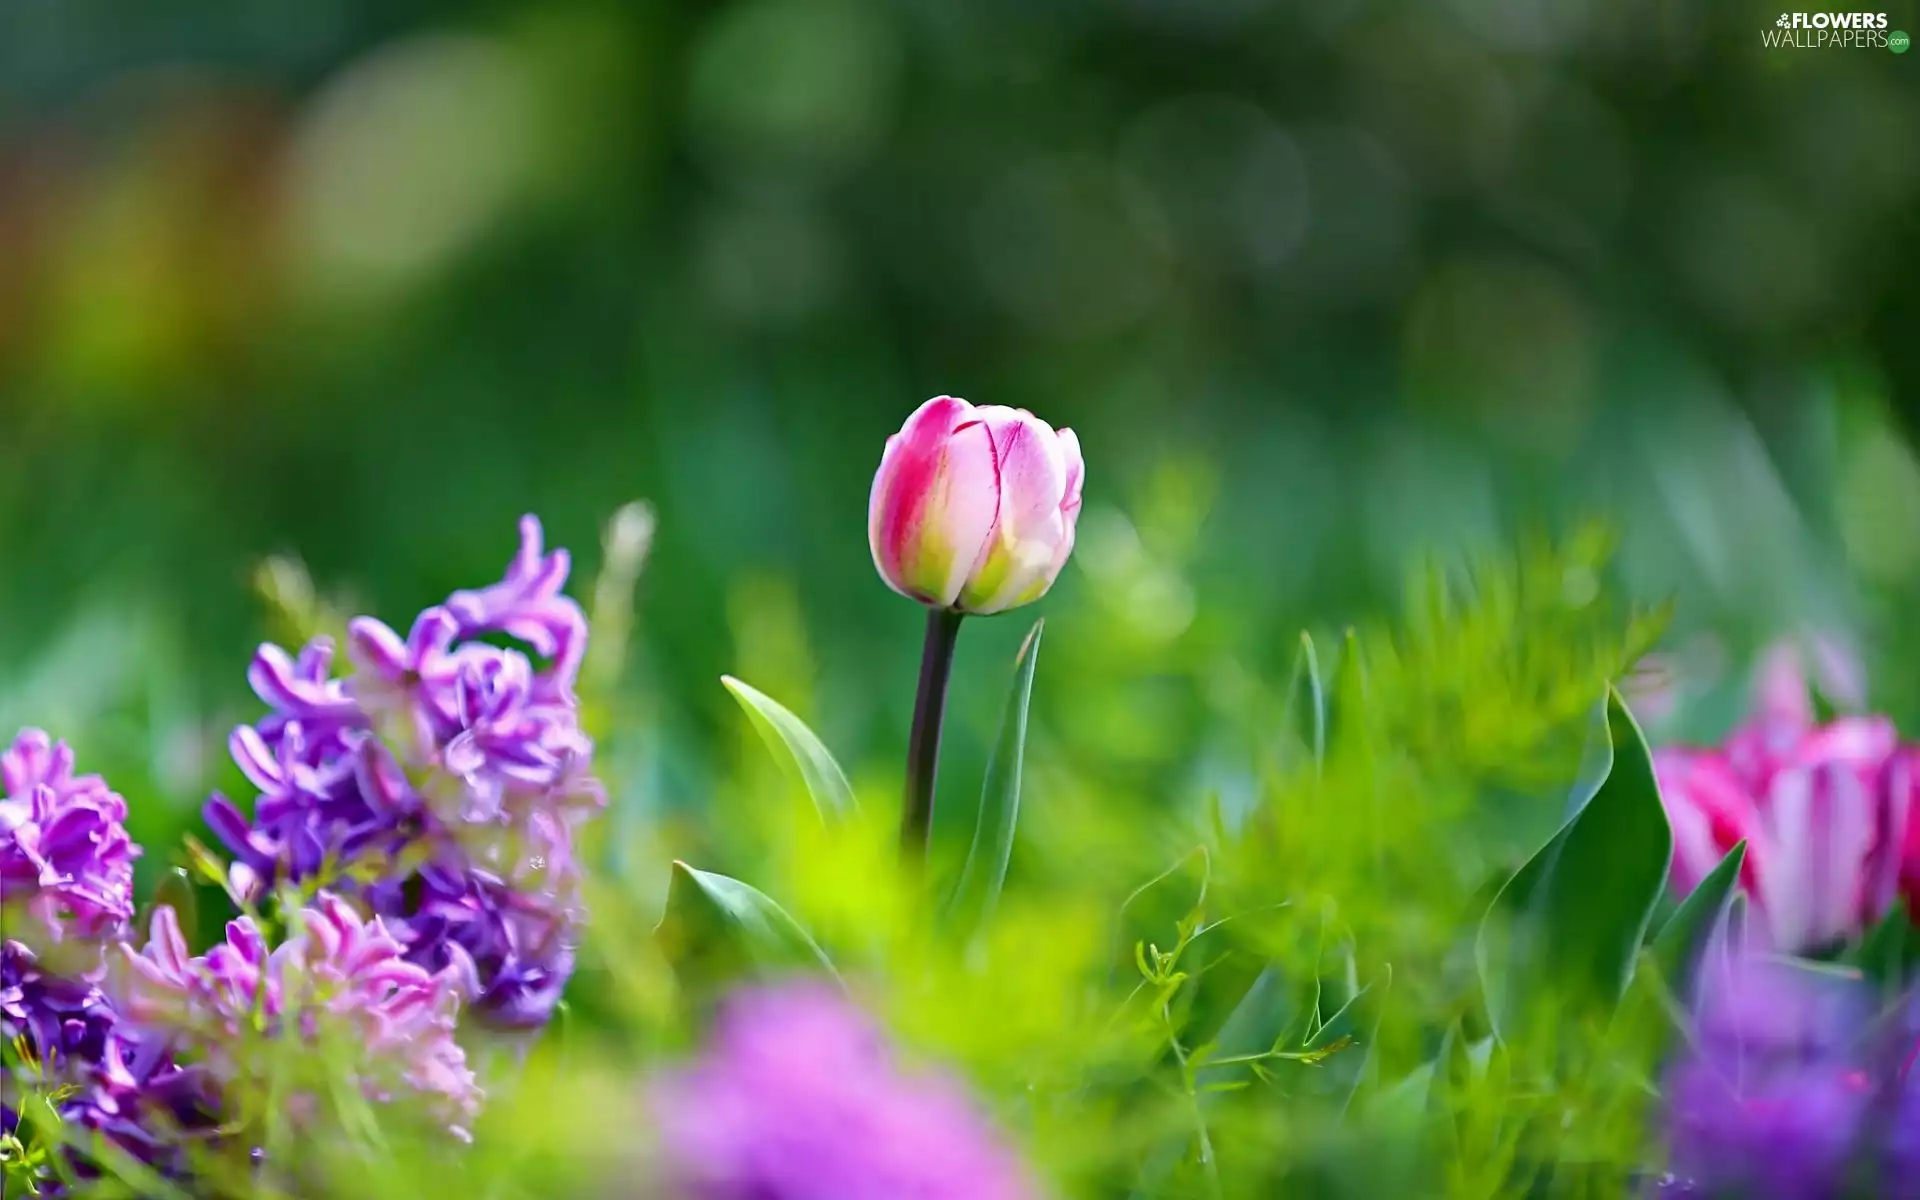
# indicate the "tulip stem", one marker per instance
pixel 923 744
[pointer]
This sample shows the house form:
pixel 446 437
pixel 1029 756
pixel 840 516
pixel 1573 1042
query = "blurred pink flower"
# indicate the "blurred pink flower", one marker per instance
pixel 1824 810
pixel 974 508
pixel 800 1097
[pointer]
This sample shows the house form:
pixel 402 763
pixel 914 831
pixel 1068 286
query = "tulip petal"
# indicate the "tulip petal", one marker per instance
pixel 904 480
pixel 1076 469
pixel 961 511
pixel 934 501
pixel 1021 554
pixel 1823 831
pixel 1709 809
pixel 1780 687
pixel 1885 863
pixel 1785 891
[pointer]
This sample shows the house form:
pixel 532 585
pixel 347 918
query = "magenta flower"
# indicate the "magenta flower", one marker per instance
pixel 798 1098
pixel 338 975
pixel 973 509
pixel 1824 810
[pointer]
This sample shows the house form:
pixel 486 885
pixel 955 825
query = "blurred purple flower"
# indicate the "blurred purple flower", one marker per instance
pixel 1772 1098
pixel 338 974
pixel 798 1098
pixel 439 750
pixel 1824 810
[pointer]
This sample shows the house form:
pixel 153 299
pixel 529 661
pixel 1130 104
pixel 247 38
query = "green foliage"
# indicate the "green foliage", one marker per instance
pixel 1677 947
pixel 1304 717
pixel 1570 924
pixel 1889 951
pixel 1274 1003
pixel 810 762
pixel 717 930
pixel 984 873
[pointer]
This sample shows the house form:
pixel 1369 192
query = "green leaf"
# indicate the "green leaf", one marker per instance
pixel 1167 909
pixel 717 929
pixel 1404 1103
pixel 1235 1001
pixel 800 752
pixel 1361 1018
pixel 1885 952
pixel 1306 691
pixel 1569 925
pixel 205 862
pixel 1260 1009
pixel 985 871
pixel 1347 706
pixel 176 891
pixel 1676 948
pixel 1596 761
pixel 1814 966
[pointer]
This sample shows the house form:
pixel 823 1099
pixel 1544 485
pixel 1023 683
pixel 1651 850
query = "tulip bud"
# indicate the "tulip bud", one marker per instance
pixel 973 508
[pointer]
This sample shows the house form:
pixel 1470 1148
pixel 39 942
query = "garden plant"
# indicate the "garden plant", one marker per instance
pixel 1458 929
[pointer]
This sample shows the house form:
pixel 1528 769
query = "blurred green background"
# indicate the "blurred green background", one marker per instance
pixel 1322 287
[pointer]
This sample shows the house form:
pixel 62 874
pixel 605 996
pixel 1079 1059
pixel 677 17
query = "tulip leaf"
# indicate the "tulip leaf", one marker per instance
pixel 1676 948
pixel 985 872
pixel 1884 954
pixel 800 752
pixel 1596 761
pixel 717 929
pixel 1568 926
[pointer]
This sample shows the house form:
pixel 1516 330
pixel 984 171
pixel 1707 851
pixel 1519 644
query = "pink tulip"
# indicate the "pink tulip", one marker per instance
pixel 1824 810
pixel 973 509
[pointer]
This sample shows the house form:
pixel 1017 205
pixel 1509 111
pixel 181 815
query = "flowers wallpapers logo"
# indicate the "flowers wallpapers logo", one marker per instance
pixel 1822 30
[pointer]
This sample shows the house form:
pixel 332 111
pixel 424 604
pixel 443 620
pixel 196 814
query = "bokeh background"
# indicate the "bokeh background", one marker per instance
pixel 1324 288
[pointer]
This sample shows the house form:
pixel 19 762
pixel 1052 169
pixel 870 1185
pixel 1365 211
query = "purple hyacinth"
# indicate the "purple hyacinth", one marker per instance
pixel 798 1098
pixel 511 947
pixel 66 884
pixel 66 887
pixel 338 975
pixel 66 871
pixel 65 857
pixel 1775 1096
pixel 63 1019
pixel 443 779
